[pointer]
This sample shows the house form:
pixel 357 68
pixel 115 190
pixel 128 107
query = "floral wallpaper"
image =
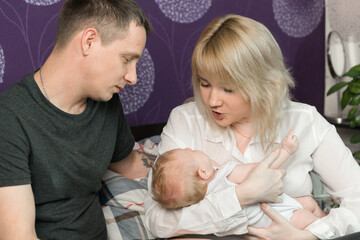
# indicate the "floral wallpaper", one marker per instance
pixel 27 33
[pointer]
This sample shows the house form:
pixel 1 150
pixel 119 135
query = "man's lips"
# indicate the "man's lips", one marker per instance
pixel 119 88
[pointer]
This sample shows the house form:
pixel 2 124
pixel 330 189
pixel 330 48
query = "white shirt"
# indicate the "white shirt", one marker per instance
pixel 256 217
pixel 321 150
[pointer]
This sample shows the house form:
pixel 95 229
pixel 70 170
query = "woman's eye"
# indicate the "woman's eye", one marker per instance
pixel 228 90
pixel 204 85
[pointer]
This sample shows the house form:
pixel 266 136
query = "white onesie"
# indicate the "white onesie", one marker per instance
pixel 254 214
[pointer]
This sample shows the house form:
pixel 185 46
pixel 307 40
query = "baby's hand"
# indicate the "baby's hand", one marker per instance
pixel 290 143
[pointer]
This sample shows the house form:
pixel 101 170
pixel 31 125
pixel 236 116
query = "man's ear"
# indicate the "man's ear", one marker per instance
pixel 203 174
pixel 88 39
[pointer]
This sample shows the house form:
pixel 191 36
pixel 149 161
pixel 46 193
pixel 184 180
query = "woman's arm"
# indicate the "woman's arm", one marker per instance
pixel 340 174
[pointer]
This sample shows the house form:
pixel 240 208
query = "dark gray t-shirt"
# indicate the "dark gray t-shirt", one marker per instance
pixel 62 156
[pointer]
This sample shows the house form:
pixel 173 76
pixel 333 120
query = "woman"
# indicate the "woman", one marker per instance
pixel 242 109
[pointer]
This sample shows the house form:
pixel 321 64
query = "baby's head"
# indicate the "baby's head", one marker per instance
pixel 180 178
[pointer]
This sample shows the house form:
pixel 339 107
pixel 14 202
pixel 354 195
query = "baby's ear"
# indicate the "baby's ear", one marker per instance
pixel 203 174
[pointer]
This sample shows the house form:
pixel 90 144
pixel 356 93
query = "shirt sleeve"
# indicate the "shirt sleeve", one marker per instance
pixel 125 141
pixel 218 212
pixel 14 150
pixel 340 174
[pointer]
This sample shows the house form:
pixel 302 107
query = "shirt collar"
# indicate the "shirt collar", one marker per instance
pixel 214 135
pixel 218 135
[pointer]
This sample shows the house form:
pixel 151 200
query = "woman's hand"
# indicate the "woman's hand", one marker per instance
pixel 280 229
pixel 263 185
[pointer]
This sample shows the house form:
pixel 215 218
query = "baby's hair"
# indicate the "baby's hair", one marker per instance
pixel 166 183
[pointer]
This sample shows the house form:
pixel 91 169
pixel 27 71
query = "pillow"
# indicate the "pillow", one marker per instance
pixel 123 199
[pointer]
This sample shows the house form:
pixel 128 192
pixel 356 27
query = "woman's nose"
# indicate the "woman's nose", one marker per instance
pixel 215 98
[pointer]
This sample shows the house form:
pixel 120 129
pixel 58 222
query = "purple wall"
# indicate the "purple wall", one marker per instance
pixel 27 32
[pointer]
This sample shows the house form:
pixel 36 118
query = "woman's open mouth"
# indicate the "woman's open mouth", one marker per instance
pixel 217 115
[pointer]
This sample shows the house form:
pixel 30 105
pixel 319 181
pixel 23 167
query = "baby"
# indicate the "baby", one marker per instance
pixel 183 177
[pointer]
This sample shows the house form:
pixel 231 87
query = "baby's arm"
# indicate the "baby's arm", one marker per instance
pixel 289 145
pixel 241 172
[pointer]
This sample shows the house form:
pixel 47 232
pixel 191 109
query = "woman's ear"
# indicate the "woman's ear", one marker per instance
pixel 203 174
pixel 88 39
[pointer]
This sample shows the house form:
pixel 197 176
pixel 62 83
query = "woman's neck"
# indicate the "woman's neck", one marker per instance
pixel 243 133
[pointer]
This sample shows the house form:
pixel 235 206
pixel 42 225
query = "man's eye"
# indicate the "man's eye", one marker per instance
pixel 127 60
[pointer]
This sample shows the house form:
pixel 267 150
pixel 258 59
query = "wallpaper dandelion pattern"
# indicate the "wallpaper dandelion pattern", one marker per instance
pixel 2 64
pixel 42 2
pixel 184 11
pixel 135 96
pixel 28 27
pixel 298 18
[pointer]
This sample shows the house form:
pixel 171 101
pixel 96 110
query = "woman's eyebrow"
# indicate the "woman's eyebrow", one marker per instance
pixel 201 78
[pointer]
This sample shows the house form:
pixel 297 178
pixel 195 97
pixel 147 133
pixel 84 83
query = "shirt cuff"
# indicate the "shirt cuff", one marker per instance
pixel 320 229
pixel 235 221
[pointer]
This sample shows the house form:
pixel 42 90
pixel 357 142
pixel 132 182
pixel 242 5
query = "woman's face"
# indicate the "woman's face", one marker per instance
pixel 226 106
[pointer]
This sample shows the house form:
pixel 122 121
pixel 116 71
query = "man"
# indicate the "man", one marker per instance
pixel 63 125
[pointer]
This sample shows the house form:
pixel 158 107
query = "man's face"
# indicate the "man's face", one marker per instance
pixel 114 66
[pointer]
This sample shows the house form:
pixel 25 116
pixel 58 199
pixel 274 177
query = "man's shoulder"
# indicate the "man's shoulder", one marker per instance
pixel 18 89
pixel 18 99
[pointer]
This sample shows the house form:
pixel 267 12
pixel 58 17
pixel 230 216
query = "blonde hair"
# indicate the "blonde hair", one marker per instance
pixel 243 56
pixel 167 178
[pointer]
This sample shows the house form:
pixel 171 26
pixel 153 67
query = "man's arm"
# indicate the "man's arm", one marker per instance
pixel 135 165
pixel 17 213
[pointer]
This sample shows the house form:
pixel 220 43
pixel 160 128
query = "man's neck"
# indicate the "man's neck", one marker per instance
pixel 59 85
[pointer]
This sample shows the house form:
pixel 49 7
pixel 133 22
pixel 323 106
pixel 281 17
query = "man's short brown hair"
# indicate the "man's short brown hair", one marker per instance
pixel 111 18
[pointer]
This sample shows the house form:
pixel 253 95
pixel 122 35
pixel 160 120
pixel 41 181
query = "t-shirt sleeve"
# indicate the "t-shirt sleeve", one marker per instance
pixel 125 141
pixel 14 150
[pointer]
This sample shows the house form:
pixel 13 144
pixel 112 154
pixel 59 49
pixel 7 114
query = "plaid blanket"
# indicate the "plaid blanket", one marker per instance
pixel 123 200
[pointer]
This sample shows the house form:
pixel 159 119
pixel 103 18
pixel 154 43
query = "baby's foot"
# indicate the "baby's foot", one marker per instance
pixel 290 143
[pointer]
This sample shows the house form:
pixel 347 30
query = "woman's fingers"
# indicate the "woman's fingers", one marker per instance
pixel 257 233
pixel 272 213
pixel 280 229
